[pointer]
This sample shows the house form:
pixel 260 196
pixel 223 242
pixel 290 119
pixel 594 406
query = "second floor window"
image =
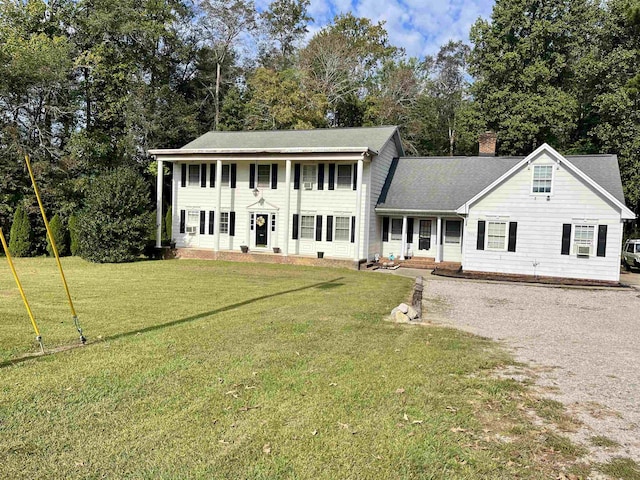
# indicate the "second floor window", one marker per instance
pixel 264 176
pixel 194 175
pixel 344 176
pixel 226 175
pixel 542 178
pixel 308 176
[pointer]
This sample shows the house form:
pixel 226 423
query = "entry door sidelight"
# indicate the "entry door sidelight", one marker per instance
pixel 424 241
pixel 262 226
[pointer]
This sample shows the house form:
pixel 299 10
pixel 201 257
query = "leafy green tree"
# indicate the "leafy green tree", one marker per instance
pixel 74 243
pixel 113 227
pixel 524 62
pixel 278 100
pixel 285 22
pixel 20 237
pixel 60 236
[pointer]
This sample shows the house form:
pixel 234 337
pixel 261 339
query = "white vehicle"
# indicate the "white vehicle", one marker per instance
pixel 631 254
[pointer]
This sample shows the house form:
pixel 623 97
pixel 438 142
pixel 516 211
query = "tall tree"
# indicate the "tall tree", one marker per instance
pixel 285 22
pixel 524 63
pixel 223 21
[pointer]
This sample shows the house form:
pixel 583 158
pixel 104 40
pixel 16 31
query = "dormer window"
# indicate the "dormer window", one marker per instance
pixel 542 179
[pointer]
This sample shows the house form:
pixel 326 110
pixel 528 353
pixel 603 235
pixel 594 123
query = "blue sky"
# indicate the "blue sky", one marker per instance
pixel 419 26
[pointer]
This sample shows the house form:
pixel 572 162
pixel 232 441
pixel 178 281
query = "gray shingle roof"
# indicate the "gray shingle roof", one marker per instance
pixel 445 183
pixel 319 139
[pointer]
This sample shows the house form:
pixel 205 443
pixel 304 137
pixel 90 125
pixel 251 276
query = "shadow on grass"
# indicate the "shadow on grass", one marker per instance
pixel 322 285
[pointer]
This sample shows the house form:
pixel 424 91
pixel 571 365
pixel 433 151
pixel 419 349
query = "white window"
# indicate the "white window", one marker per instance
pixel 264 176
pixel 226 175
pixel 193 221
pixel 224 222
pixel 583 239
pixel 396 229
pixel 308 176
pixel 496 235
pixel 344 176
pixel 343 224
pixel 542 177
pixel 452 231
pixel 194 175
pixel 307 227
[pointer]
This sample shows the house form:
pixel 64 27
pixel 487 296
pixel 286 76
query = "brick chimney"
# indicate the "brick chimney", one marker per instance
pixel 487 142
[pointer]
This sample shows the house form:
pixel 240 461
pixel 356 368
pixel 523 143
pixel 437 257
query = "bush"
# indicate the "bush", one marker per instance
pixel 74 245
pixel 20 236
pixel 168 219
pixel 114 225
pixel 60 236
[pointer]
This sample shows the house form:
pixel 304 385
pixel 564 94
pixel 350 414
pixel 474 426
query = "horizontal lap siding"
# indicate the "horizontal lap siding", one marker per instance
pixel 324 202
pixel 379 168
pixel 539 234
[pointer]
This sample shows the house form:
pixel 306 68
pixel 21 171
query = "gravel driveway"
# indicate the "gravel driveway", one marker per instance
pixel 589 338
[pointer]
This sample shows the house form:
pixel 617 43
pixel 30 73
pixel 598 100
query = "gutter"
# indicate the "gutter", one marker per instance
pixel 236 151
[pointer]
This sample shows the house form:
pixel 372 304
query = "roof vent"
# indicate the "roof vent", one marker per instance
pixel 487 142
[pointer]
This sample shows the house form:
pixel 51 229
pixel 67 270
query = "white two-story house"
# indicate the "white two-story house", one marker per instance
pixel 298 193
pixel 350 195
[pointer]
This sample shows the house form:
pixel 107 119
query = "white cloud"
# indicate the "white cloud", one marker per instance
pixel 418 26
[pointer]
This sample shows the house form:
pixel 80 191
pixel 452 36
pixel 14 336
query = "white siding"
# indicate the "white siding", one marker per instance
pixel 243 201
pixel 539 231
pixel 379 168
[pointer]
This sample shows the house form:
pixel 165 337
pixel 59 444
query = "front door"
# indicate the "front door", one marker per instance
pixel 262 226
pixel 424 238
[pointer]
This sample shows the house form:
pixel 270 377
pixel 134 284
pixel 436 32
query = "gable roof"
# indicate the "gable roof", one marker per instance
pixel 447 184
pixel 439 184
pixel 361 139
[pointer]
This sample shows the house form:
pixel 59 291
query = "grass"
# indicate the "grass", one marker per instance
pixel 621 468
pixel 229 370
pixel 602 441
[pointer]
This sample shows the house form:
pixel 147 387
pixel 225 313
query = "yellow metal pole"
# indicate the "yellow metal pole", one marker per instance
pixel 24 297
pixel 55 249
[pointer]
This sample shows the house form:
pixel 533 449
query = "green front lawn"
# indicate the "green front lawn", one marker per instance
pixel 227 370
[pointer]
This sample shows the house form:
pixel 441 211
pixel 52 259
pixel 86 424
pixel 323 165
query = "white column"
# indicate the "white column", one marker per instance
pixel 438 243
pixel 358 240
pixel 286 221
pixel 159 204
pixel 217 216
pixel 404 237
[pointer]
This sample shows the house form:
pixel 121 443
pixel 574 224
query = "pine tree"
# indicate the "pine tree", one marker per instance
pixel 60 236
pixel 20 236
pixel 74 245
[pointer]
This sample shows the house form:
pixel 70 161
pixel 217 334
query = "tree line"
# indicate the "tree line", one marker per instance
pixel 88 86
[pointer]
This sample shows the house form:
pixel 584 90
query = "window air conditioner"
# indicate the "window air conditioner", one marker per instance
pixel 584 250
pixel 308 185
pixel 191 230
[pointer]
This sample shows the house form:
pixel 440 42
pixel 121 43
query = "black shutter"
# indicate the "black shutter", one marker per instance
pixel 212 175
pixel 296 176
pixel 183 177
pixel 183 217
pixel 212 217
pixel 480 240
pixel 232 224
pixel 409 230
pixel 321 176
pixel 385 229
pixel 234 173
pixel 274 176
pixel 332 175
pixel 252 176
pixel 203 175
pixel 318 228
pixel 203 220
pixel 329 228
pixel 513 232
pixel 566 239
pixel 353 229
pixel 602 240
pixel 355 176
pixel 294 227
